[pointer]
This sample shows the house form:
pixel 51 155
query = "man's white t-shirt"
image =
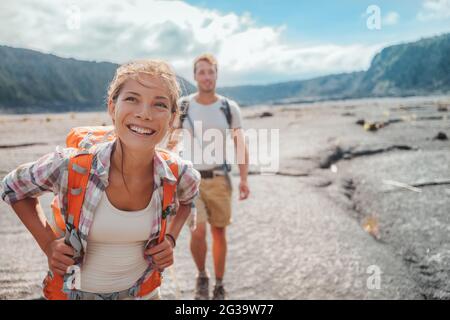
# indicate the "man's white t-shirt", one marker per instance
pixel 211 144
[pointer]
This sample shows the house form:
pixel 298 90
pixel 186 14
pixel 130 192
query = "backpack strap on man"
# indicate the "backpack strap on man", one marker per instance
pixel 184 109
pixel 228 115
pixel 227 111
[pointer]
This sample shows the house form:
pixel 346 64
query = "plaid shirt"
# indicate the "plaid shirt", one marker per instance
pixel 50 174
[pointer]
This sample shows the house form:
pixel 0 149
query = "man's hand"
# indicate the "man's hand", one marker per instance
pixel 244 191
pixel 162 254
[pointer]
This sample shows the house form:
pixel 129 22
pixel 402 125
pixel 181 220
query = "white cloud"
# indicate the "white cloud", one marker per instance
pixel 175 31
pixel 434 10
pixel 391 18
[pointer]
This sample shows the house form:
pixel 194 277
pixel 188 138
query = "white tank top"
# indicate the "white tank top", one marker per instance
pixel 115 254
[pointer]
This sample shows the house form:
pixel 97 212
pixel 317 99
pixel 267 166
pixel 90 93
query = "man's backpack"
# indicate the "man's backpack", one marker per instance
pixel 225 108
pixel 184 111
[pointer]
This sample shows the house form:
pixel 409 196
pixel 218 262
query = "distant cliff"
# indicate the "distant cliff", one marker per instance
pixel 417 68
pixel 31 81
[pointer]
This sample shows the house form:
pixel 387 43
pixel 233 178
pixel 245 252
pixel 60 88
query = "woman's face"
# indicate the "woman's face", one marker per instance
pixel 142 112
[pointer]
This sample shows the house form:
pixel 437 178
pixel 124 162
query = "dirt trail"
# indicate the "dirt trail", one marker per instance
pixel 303 233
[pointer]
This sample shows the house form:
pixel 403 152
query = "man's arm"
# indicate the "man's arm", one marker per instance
pixel 242 157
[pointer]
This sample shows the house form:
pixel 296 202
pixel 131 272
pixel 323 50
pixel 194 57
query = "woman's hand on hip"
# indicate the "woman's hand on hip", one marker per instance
pixel 162 254
pixel 59 256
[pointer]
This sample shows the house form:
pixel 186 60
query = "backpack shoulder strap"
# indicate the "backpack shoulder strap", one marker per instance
pixel 227 111
pixel 168 191
pixel 79 169
pixel 184 109
pixel 78 178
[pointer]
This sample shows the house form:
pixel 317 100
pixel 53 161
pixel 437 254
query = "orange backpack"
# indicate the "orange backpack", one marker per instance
pixel 79 169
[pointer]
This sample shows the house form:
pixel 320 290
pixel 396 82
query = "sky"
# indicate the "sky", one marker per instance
pixel 255 41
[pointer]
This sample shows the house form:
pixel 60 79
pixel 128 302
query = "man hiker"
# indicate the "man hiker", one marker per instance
pixel 216 112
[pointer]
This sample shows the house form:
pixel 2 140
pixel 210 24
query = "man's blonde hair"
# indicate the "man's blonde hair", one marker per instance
pixel 205 57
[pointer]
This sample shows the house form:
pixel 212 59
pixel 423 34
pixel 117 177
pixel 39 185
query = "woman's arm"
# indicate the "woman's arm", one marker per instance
pixel 30 213
pixel 162 253
pixel 32 216
pixel 21 188
pixel 179 220
pixel 33 179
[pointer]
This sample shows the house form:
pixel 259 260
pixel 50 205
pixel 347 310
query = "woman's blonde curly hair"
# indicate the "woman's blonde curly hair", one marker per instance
pixel 152 67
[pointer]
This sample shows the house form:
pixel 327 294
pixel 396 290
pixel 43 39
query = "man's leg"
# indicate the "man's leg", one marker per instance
pixel 219 248
pixel 219 256
pixel 220 217
pixel 198 250
pixel 199 246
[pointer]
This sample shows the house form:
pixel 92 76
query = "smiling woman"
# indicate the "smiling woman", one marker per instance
pixel 142 104
pixel 131 186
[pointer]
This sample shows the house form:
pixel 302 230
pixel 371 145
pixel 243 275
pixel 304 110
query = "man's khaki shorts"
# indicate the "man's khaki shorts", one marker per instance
pixel 214 202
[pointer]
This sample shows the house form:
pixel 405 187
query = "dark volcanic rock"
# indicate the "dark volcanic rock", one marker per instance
pixel 440 136
pixel 266 114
